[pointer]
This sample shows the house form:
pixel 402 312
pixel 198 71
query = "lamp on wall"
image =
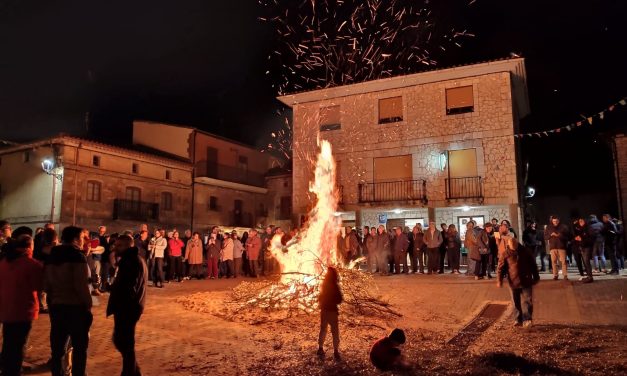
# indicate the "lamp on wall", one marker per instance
pixel 442 159
pixel 49 167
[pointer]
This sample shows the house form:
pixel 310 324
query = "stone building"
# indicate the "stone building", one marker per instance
pixel 67 180
pixel 279 183
pixel 620 159
pixel 436 145
pixel 229 186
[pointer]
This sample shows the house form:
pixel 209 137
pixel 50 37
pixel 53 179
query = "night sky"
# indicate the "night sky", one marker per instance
pixel 203 63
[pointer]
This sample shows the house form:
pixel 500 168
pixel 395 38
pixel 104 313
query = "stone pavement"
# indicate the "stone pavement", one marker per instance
pixel 169 338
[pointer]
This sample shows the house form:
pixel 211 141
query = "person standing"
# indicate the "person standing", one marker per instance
pixel 609 236
pixel 175 258
pixel 253 248
pixel 352 245
pixel 66 282
pixel 493 249
pixel 530 238
pixel 518 265
pixel 433 239
pixel 193 256
pixel 328 300
pixel 400 251
pixel 580 230
pixel 453 248
pixel 238 249
pixel 383 250
pixel 477 244
pixel 158 245
pixel 371 249
pixel 442 249
pixel 126 302
pixel 21 280
pixel 420 248
pixel 557 235
pixel 227 256
pixel 598 247
pixel 213 253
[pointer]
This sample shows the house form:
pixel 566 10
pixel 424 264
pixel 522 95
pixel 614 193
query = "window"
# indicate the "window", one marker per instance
pixel 397 168
pixel 462 163
pixel 95 161
pixel 330 118
pixel 166 201
pixel 242 162
pixel 93 190
pixel 168 175
pixel 135 168
pixel 286 207
pixel 390 110
pixel 26 157
pixel 213 203
pixel 133 194
pixel 459 100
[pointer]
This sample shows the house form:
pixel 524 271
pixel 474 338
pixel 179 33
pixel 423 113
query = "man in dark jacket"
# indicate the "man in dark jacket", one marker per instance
pixel 609 235
pixel 400 251
pixel 522 273
pixel 66 281
pixel 126 304
pixel 557 235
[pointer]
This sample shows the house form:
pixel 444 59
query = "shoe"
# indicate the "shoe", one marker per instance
pixel 587 280
pixel 527 324
pixel 565 278
pixel 614 272
pixel 489 276
pixel 336 356
pixel 422 272
pixel 517 323
pixel 555 278
pixel 320 352
pixel 440 272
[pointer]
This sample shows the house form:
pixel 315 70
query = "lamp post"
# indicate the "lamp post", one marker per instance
pixel 49 167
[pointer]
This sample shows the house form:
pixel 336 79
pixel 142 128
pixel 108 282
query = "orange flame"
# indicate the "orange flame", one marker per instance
pixel 303 259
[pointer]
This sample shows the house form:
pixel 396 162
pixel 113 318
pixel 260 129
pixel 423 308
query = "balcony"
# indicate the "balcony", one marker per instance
pixel 135 210
pixel 230 173
pixel 240 219
pixel 464 188
pixel 404 190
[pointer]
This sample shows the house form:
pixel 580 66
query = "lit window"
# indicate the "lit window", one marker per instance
pixel 390 110
pixel 93 190
pixel 330 118
pixel 459 100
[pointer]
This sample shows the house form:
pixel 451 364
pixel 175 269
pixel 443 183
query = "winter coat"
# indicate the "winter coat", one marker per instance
pixel 353 244
pixel 238 248
pixel 176 247
pixel 330 296
pixel 213 250
pixel 433 240
pixel 419 241
pixel 453 241
pixel 561 240
pixel 227 249
pixel 596 229
pixel 583 233
pixel 253 247
pixel 609 233
pixel 128 291
pixel 157 246
pixel 401 243
pixel 383 244
pixel 476 239
pixel 21 278
pixel 530 237
pixel 67 277
pixel 371 245
pixel 193 252
pixel 519 266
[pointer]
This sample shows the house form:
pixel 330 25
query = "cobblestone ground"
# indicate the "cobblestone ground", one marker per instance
pixel 174 341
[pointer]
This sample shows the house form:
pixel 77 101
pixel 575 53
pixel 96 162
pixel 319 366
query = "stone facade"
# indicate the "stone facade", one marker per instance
pixel 621 172
pixel 425 132
pixel 279 186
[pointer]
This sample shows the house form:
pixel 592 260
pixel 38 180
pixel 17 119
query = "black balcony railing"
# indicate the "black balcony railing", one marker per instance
pixel 230 173
pixel 405 190
pixel 135 210
pixel 241 219
pixel 463 188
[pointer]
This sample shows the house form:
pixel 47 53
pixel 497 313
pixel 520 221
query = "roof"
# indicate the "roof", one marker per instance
pixel 77 141
pixel 515 66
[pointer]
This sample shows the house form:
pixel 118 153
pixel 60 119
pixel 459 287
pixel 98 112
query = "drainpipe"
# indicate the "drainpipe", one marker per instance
pixel 75 184
pixel 617 174
pixel 193 200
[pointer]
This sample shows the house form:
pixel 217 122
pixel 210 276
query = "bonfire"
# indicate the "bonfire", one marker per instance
pixel 304 260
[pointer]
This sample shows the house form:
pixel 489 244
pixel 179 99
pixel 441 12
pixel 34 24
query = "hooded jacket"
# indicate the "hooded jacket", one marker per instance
pixel 519 266
pixel 128 291
pixel 21 278
pixel 560 241
pixel 66 277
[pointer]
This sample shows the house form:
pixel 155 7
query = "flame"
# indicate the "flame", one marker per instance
pixel 305 257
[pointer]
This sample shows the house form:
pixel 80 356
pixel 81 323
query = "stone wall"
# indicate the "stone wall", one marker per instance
pixel 425 131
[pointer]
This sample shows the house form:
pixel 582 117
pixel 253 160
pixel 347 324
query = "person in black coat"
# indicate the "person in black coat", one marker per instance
pixel 328 300
pixel 580 229
pixel 127 300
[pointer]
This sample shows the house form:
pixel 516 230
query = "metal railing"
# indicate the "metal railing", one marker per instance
pixel 460 188
pixel 404 190
pixel 230 173
pixel 241 219
pixel 135 210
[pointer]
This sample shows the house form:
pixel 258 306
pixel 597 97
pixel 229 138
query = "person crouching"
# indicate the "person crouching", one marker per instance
pixel 385 354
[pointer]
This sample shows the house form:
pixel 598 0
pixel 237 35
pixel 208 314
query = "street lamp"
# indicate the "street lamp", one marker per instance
pixel 531 191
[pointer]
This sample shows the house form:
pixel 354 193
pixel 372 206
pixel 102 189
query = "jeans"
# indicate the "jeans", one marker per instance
pixel 212 267
pixel 98 272
pixel 329 318
pixel 124 341
pixel 69 322
pixel 453 258
pixel 611 254
pixel 158 266
pixel 598 251
pixel 14 337
pixel 441 259
pixel 413 260
pixel 561 255
pixel 433 259
pixel 586 255
pixel 175 268
pixel 228 268
pixel 542 251
pixel 237 266
pixel 400 257
pixel 481 266
pixel 523 304
pixel 577 255
pixel 252 267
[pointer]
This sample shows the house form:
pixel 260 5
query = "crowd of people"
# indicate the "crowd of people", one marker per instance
pixel 47 273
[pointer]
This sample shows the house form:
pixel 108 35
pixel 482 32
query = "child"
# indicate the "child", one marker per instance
pixel 385 354
pixel 329 298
